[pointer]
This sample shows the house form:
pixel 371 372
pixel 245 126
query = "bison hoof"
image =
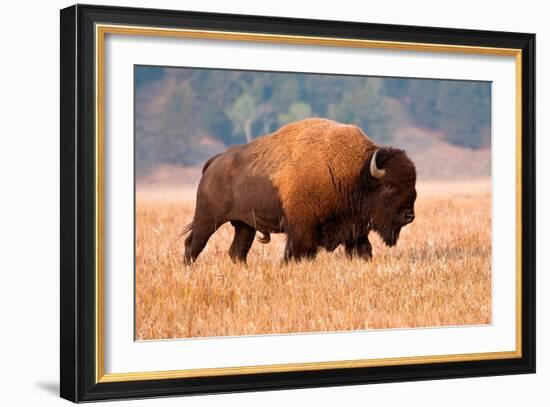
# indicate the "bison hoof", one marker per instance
pixel 238 260
pixel 188 260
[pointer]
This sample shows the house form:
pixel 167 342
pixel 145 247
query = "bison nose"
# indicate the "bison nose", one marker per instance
pixel 409 216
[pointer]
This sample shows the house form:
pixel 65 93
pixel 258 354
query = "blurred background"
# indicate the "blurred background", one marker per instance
pixel 183 116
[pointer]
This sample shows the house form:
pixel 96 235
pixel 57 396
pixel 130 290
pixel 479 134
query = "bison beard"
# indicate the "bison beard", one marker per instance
pixel 322 183
pixel 390 236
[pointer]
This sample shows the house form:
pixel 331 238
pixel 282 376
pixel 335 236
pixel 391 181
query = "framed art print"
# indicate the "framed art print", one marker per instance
pixel 254 203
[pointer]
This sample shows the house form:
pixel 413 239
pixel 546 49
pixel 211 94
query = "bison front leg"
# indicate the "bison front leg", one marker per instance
pixel 244 236
pixel 361 248
pixel 300 246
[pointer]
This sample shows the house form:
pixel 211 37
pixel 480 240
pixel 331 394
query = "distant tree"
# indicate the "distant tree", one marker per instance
pixel 368 108
pixel 296 111
pixel 219 125
pixel 465 112
pixel 460 110
pixel 243 113
pixel 321 91
pixel 286 90
pixel 267 117
pixel 177 107
pixel 147 74
pixel 422 99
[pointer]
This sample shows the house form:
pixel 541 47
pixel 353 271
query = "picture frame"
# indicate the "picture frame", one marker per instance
pixel 83 30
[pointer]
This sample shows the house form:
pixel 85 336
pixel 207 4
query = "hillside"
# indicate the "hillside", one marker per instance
pixel 435 159
pixel 183 116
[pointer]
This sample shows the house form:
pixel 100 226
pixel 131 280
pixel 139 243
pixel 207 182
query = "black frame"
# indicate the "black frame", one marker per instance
pixel 77 149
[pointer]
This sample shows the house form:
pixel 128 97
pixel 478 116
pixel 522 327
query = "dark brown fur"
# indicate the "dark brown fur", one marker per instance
pixel 310 180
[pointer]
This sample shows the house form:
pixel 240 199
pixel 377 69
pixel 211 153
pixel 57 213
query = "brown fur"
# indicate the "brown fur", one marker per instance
pixel 310 180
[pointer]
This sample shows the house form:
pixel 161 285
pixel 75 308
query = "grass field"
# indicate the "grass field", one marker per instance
pixel 439 274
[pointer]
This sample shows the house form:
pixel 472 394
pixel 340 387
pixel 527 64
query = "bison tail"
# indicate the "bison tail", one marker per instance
pixel 266 238
pixel 188 228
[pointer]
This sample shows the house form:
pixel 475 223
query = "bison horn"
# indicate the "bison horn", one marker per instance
pixel 374 170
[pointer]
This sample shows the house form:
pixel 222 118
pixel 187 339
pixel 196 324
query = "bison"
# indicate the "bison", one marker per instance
pixel 320 182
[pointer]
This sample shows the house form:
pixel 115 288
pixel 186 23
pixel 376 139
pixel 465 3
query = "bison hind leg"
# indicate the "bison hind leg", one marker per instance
pixel 244 237
pixel 197 239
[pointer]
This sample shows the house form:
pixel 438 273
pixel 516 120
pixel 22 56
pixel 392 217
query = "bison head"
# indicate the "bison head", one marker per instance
pixel 390 194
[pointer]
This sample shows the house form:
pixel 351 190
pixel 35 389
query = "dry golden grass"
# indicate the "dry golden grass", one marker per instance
pixel 439 274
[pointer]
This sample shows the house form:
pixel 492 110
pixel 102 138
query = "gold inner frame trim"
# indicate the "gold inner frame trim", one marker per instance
pixel 100 34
